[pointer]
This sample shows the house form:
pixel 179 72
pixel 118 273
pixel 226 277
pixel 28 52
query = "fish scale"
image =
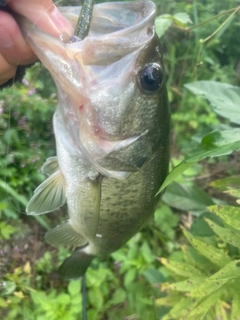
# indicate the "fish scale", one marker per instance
pixel 111 127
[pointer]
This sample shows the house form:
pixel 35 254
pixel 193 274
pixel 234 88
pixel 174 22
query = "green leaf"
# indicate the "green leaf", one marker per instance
pixel 175 173
pixel 223 97
pixel 234 193
pixel 180 309
pixel 186 198
pixel 162 24
pixel 8 288
pixel 3 205
pixel 63 299
pixel 154 276
pixel 228 236
pixel 6 230
pixel 199 226
pixel 130 276
pixel 119 296
pixel 3 303
pixel 229 214
pixel 216 256
pixel 214 144
pixel 23 201
pixel 201 309
pixel 231 182
pixel 74 287
pixel 13 193
pixel 217 144
pixel 184 286
pixel 235 312
pixel 181 19
pixel 170 300
pixel 180 268
pixel 230 271
pixel 147 253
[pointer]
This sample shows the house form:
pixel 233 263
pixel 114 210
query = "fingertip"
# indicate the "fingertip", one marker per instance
pixel 44 14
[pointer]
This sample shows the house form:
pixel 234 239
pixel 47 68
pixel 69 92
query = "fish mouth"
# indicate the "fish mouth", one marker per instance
pixel 116 30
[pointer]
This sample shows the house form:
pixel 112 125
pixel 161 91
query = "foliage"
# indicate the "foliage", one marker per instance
pixel 198 280
pixel 208 275
pixel 205 278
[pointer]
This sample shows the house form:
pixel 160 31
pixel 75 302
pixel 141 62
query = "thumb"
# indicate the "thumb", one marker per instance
pixel 44 14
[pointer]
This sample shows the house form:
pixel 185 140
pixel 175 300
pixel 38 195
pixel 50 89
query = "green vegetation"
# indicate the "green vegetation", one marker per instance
pixel 185 263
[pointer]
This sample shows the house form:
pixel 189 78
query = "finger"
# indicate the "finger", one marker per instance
pixel 13 47
pixel 7 70
pixel 42 13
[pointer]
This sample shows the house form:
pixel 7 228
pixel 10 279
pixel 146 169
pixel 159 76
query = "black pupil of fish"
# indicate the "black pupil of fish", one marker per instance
pixel 151 78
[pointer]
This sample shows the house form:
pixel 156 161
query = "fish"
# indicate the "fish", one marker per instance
pixel 111 127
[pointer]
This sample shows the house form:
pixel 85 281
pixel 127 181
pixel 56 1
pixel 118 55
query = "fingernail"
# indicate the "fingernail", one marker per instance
pixel 61 23
pixel 5 38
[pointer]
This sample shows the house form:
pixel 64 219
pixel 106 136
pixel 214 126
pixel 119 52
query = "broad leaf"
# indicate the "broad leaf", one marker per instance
pixel 216 256
pixel 235 314
pixel 234 193
pixel 180 309
pixel 199 226
pixel 175 173
pixel 181 19
pixel 223 97
pixel 186 198
pixel 181 268
pixel 226 183
pixel 199 311
pixel 217 144
pixel 170 300
pixel 184 286
pixel 230 215
pixel 228 236
pixel 162 24
pixel 230 271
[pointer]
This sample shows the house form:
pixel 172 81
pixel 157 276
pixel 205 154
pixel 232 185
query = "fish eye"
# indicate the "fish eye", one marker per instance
pixel 151 77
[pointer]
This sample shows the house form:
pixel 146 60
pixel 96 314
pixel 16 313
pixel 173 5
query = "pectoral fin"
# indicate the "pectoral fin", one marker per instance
pixel 65 235
pixel 50 166
pixel 76 265
pixel 49 196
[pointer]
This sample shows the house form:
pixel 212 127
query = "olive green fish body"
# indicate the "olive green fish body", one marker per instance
pixel 111 127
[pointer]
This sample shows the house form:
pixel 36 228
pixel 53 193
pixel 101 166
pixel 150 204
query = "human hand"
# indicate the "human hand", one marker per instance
pixel 14 50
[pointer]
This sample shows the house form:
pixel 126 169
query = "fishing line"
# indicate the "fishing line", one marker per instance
pixel 84 298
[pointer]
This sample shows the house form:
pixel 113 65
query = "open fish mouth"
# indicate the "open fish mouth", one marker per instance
pixel 116 29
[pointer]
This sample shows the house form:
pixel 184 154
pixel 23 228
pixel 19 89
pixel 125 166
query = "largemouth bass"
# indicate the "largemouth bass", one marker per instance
pixel 111 127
